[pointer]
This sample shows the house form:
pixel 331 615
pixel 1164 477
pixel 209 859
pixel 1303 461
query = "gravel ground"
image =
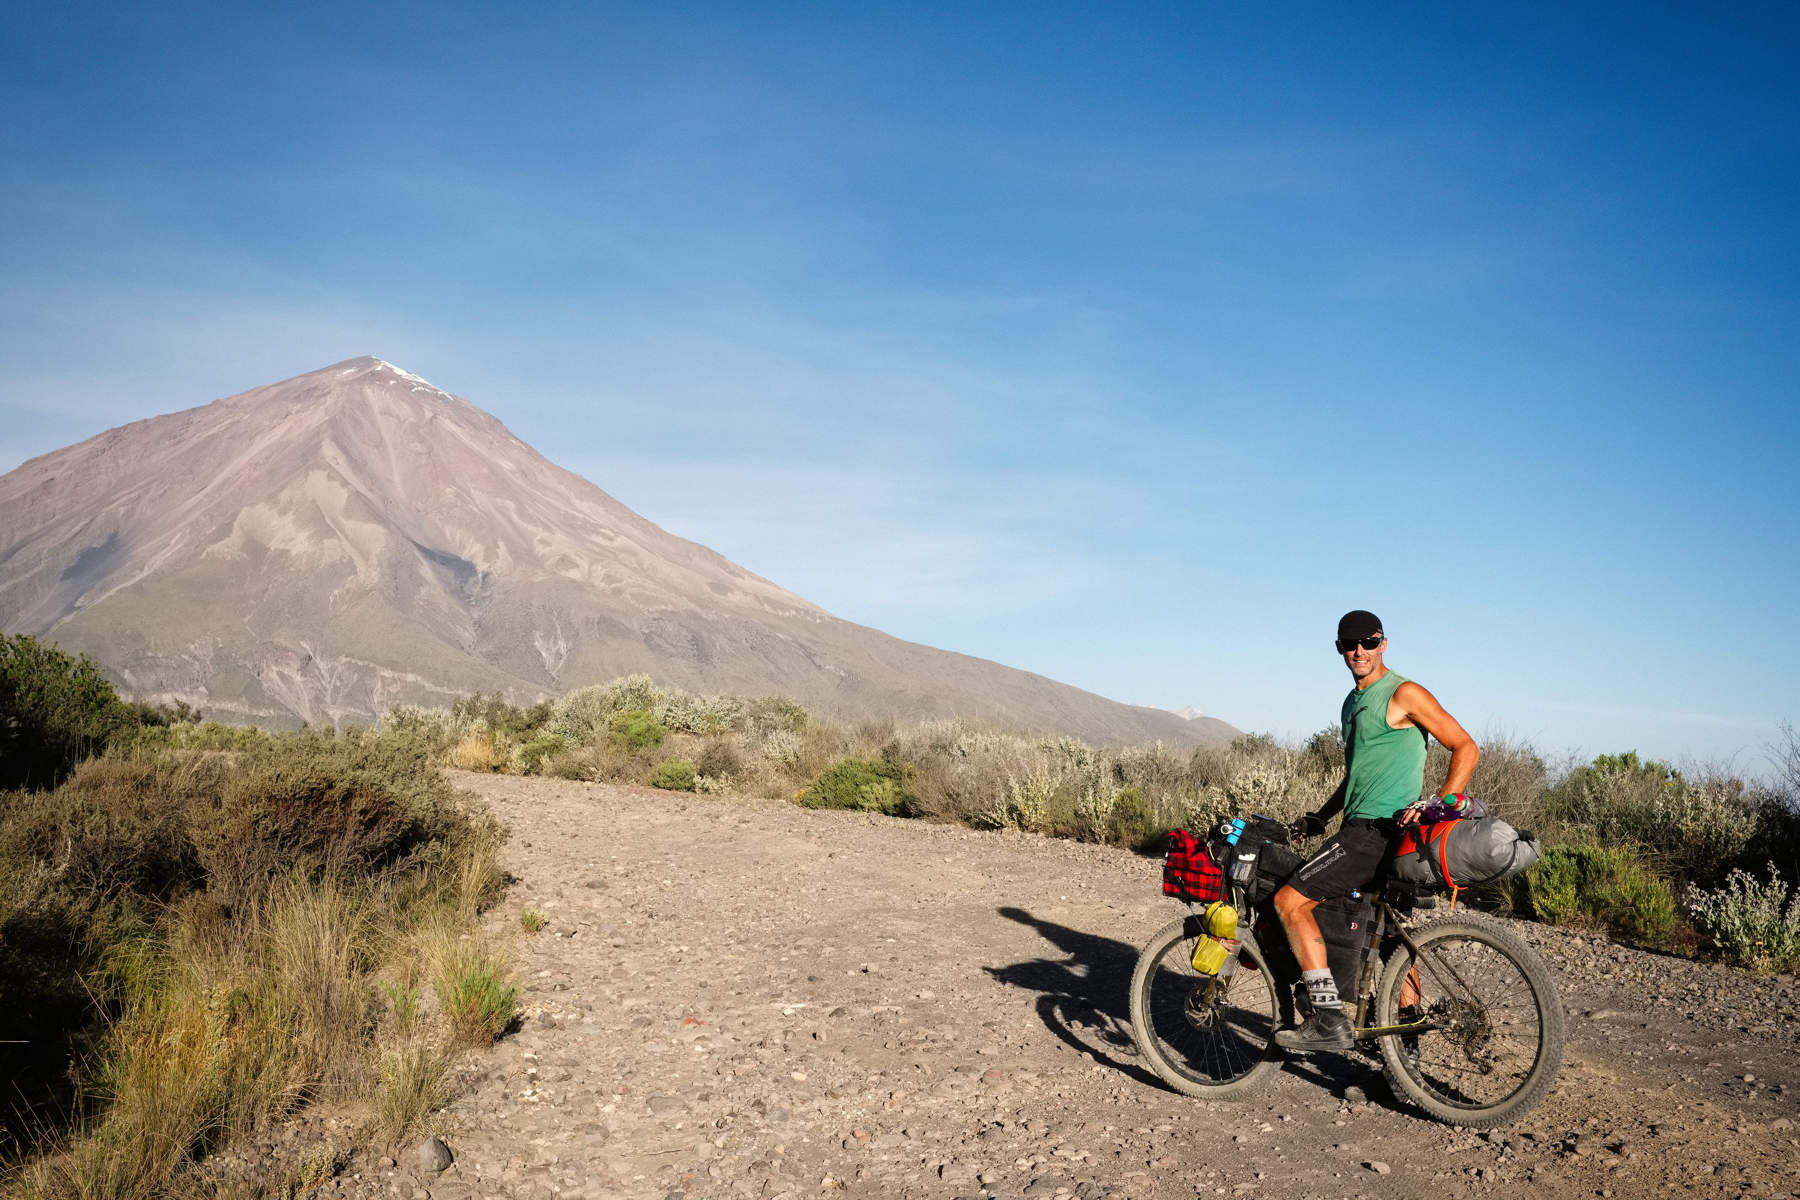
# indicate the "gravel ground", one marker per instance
pixel 743 998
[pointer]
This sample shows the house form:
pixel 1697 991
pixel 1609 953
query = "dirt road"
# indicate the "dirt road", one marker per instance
pixel 742 998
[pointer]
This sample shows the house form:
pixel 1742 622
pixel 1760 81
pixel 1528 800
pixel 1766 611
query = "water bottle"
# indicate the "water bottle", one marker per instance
pixel 1216 956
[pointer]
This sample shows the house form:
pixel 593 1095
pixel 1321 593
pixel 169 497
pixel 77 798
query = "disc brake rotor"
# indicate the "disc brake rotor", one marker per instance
pixel 1199 1010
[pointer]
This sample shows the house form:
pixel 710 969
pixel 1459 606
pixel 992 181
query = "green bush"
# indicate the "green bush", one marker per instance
pixel 871 785
pixel 1551 890
pixel 1754 923
pixel 1608 886
pixel 1695 828
pixel 1135 821
pixel 675 775
pixel 635 729
pixel 530 758
pixel 54 711
pixel 313 802
pixel 500 716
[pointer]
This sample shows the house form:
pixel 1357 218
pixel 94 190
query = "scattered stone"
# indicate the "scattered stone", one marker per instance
pixel 433 1155
pixel 1377 1166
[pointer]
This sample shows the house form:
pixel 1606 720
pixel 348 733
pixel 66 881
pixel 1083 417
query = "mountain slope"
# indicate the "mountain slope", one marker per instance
pixel 321 548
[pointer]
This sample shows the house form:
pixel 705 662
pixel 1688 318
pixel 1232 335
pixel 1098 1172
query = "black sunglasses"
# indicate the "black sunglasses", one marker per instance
pixel 1372 642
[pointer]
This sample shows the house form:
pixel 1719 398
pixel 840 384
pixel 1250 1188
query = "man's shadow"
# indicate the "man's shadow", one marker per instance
pixel 1085 1001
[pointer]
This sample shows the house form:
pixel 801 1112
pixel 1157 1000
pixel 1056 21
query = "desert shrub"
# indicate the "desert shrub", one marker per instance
pixel 436 730
pixel 1510 779
pixel 1026 801
pixel 55 710
pixel 672 775
pixel 699 715
pixel 153 713
pixel 529 758
pixel 1550 891
pixel 960 779
pixel 571 764
pixel 766 713
pixel 581 716
pixel 1756 923
pixel 117 828
pixel 533 921
pixel 858 783
pixel 206 735
pixel 1609 887
pixel 1323 753
pixel 190 939
pixel 496 713
pixel 1135 820
pixel 1695 829
pixel 315 802
pixel 719 759
pixel 635 728
pixel 1094 814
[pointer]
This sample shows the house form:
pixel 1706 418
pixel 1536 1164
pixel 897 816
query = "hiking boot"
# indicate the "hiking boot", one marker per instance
pixel 1326 1029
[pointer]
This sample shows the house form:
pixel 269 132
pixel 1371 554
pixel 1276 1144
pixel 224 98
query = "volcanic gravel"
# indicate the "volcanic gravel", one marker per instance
pixel 741 998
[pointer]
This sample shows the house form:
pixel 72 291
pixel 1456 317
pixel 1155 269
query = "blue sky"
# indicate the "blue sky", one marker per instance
pixel 1128 344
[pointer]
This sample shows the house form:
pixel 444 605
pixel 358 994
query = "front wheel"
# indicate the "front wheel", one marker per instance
pixel 1489 1023
pixel 1204 1036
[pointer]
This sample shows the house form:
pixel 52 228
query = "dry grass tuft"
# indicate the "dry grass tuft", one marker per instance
pixel 477 752
pixel 470 979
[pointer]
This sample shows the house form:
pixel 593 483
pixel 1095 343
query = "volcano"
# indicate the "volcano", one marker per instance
pixel 325 547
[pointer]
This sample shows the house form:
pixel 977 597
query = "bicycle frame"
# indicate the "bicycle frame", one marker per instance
pixel 1371 972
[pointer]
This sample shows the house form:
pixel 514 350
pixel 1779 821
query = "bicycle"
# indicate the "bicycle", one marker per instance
pixel 1480 1046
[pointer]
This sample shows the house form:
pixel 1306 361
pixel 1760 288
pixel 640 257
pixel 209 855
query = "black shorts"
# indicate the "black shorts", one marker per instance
pixel 1349 860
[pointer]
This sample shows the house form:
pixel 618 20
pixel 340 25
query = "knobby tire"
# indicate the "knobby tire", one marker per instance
pixel 1214 1045
pixel 1498 1043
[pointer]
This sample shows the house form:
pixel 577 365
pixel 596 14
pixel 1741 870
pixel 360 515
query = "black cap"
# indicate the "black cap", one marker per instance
pixel 1358 623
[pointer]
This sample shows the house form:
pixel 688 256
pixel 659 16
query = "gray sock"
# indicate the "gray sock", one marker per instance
pixel 1321 989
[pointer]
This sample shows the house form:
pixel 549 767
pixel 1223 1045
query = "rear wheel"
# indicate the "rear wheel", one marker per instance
pixel 1205 1036
pixel 1491 1042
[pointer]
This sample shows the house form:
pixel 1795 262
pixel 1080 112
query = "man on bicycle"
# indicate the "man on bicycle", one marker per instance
pixel 1387 720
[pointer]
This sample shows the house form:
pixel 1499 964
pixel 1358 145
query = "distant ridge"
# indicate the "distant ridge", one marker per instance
pixel 322 548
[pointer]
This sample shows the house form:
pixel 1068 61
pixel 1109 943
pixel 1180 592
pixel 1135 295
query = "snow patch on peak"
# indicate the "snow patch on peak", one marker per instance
pixel 381 364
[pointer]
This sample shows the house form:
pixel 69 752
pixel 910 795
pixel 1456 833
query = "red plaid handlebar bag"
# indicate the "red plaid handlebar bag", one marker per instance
pixel 1189 872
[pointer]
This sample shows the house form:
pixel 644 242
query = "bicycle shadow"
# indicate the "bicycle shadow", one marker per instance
pixel 1083 997
pixel 1085 992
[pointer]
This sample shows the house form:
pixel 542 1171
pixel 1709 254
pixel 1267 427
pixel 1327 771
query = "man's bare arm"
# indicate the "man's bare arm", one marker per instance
pixel 1424 711
pixel 1335 804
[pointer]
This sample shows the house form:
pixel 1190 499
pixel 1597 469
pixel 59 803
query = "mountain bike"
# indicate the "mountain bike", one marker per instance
pixel 1464 1016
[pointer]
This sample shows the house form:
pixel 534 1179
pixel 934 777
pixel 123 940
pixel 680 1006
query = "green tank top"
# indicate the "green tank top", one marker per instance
pixel 1386 765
